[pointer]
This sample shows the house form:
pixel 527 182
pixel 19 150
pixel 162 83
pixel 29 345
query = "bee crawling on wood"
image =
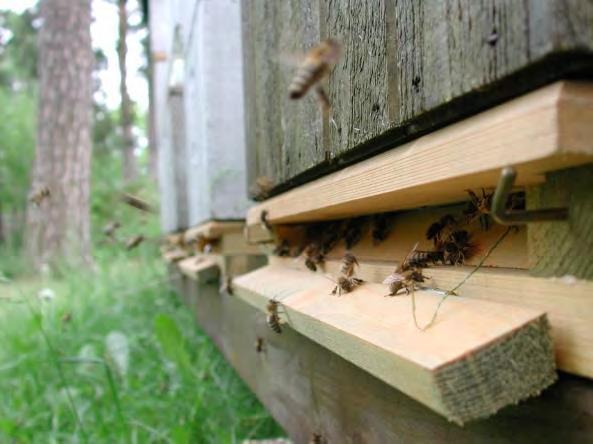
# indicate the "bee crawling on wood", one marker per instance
pixel 313 256
pixel 39 195
pixel 441 230
pixel 381 227
pixel 458 248
pixel 346 285
pixel 227 285
pixel 479 208
pixel 316 66
pixel 346 281
pixel 422 259
pixel 405 276
pixel 259 344
pixel 273 318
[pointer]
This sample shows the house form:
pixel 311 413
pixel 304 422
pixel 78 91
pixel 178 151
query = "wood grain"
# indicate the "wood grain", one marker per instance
pixel 309 389
pixel 567 302
pixel 408 68
pixel 564 248
pixel 448 367
pixel 532 133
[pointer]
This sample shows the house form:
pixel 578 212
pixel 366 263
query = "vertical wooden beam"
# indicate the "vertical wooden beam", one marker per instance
pixel 563 248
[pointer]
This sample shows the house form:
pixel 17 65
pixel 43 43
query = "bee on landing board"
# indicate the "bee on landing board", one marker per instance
pixel 405 276
pixel 479 208
pixel 316 66
pixel 313 256
pixel 346 281
pixel 348 264
pixel 273 318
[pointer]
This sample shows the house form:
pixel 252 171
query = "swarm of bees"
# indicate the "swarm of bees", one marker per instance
pixel 273 318
pixel 39 195
pixel 346 281
pixel 407 274
pixel 316 66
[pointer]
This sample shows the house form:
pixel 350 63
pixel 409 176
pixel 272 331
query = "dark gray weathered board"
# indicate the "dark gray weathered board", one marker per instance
pixel 310 390
pixel 407 68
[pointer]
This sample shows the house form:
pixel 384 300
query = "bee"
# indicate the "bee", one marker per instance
pixel 227 285
pixel 421 259
pixel 109 229
pixel 40 195
pixel 66 317
pixel 459 247
pixel 273 319
pixel 348 264
pixel 203 244
pixel 313 256
pixel 405 276
pixel 441 229
pixel 259 344
pixel 282 249
pixel 316 65
pixel 382 224
pixel 263 219
pixel 346 284
pixel 262 187
pixel 134 241
pixel 354 231
pixel 478 207
pixel 331 236
pixel 317 438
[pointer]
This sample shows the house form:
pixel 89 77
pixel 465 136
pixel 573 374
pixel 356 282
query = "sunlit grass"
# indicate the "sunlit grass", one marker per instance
pixel 176 386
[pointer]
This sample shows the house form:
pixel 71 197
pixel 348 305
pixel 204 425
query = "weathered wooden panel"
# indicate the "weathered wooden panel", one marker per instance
pixel 408 67
pixel 564 248
pixel 311 390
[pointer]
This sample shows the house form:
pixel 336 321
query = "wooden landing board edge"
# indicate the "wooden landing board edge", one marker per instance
pixel 227 237
pixel 568 302
pixel 198 266
pixel 449 367
pixel 310 390
pixel 545 130
pixel 214 229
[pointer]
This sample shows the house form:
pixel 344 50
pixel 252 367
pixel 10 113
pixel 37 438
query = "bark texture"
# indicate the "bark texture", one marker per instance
pixel 130 168
pixel 58 224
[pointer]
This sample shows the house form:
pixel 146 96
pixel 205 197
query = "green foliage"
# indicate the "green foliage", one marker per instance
pixel 18 50
pixel 17 147
pixel 177 387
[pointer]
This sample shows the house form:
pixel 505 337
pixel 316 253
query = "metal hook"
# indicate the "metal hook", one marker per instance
pixel 503 216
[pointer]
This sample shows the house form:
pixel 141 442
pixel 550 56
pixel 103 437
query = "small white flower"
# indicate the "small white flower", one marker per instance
pixel 46 294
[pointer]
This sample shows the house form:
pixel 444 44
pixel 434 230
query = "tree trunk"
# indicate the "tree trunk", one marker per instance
pixel 58 215
pixel 130 170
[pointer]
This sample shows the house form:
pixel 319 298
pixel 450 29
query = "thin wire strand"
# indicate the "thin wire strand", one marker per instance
pixel 459 285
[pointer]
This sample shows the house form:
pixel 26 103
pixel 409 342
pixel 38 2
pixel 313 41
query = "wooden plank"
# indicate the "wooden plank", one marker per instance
pixel 451 367
pixel 567 302
pixel 564 249
pixel 214 229
pixel 227 238
pixel 407 69
pixel 309 389
pixel 531 132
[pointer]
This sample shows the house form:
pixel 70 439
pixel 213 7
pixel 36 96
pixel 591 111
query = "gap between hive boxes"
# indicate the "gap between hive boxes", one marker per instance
pixel 378 335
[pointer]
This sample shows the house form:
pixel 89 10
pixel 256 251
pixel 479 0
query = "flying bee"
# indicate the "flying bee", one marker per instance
pixel 109 229
pixel 316 66
pixel 441 229
pixel 405 276
pixel 478 207
pixel 458 248
pixel 317 438
pixel 313 256
pixel 346 284
pixel 273 319
pixel 134 241
pixel 259 344
pixel 348 264
pixel 39 195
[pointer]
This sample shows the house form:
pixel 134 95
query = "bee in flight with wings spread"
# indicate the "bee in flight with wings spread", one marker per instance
pixel 315 66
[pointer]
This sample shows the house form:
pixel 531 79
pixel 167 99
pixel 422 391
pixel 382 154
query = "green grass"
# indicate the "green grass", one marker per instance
pixel 59 382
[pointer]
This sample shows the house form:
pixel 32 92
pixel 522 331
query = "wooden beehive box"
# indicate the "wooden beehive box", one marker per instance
pixel 428 100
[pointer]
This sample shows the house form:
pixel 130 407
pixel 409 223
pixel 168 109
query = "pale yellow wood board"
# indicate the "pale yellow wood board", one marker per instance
pixel 545 130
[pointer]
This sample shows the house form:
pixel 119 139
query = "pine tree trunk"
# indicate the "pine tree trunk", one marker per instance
pixel 58 220
pixel 130 169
